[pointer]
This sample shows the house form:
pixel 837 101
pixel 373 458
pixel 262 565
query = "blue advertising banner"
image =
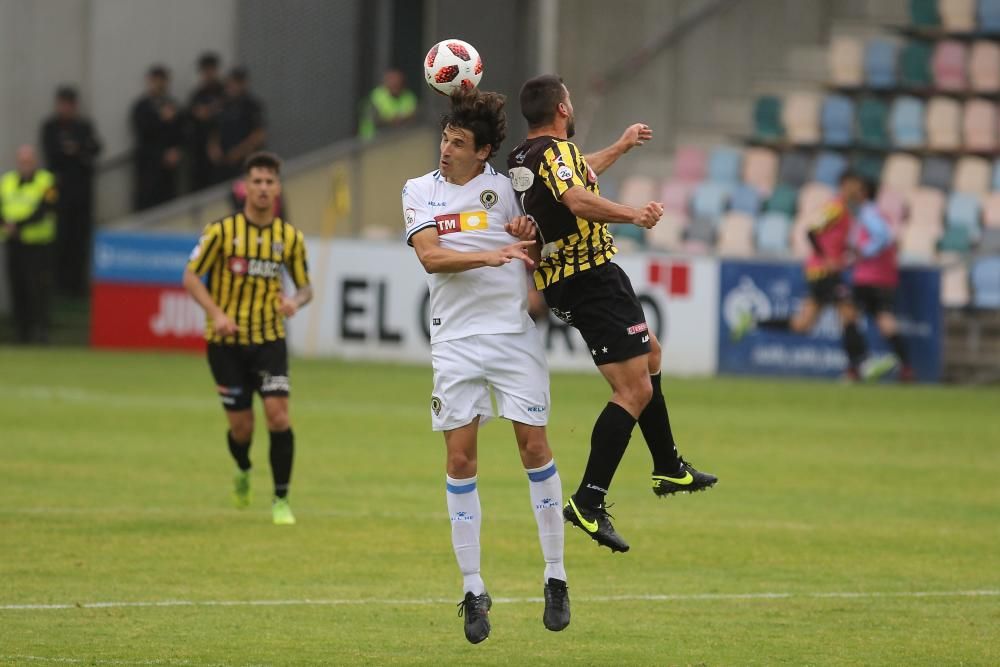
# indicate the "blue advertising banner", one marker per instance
pixel 773 290
pixel 141 257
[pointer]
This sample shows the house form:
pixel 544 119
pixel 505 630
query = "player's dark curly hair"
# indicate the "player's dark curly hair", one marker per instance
pixel 481 113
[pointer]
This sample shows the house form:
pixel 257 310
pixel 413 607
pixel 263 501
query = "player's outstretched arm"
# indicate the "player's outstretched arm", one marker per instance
pixel 223 324
pixel 585 204
pixel 634 135
pixel 436 259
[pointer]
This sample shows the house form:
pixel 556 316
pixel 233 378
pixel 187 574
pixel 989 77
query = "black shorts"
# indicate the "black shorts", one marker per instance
pixel 241 370
pixel 602 305
pixel 873 300
pixel 829 290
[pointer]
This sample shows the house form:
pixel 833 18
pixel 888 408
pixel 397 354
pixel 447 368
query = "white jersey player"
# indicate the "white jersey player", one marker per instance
pixel 465 224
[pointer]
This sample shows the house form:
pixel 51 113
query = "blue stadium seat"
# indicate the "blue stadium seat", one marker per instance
pixel 880 63
pixel 837 120
pixel 772 233
pixel 963 211
pixel 710 201
pixel 724 165
pixel 829 167
pixel 906 122
pixel 630 234
pixel 746 199
pixel 937 173
pixel 985 278
pixel 996 177
pixel 988 15
pixel 794 169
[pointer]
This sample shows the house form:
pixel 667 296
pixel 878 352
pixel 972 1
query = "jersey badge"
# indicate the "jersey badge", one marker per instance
pixel 488 198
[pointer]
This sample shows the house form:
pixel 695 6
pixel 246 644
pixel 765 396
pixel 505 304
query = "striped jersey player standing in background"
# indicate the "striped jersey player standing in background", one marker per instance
pixel 243 256
pixel 464 224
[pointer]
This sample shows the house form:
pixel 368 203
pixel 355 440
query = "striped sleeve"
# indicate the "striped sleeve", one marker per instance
pixel 558 169
pixel 298 265
pixel 205 253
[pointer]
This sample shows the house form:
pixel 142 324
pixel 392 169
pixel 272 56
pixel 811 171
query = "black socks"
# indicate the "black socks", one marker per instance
pixel 854 345
pixel 282 452
pixel 655 425
pixel 608 442
pixel 240 452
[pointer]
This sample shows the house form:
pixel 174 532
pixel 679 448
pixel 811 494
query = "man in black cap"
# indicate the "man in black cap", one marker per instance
pixel 71 147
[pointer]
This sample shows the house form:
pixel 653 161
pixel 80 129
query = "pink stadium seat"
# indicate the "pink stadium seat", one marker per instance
pixel 813 196
pixel 972 175
pixel 668 233
pixel 846 61
pixel 676 197
pixel 979 125
pixel 892 205
pixel 690 164
pixel 901 173
pixel 760 169
pixel 918 243
pixel 984 66
pixel 638 191
pixel 926 207
pixel 800 116
pixel 954 280
pixel 957 15
pixel 948 65
pixel 735 235
pixel 991 210
pixel 944 122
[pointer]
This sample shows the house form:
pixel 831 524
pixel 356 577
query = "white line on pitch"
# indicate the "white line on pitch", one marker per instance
pixel 98 661
pixel 515 600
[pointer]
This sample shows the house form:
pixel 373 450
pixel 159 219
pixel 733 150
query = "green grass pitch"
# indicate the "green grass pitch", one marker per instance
pixel 850 526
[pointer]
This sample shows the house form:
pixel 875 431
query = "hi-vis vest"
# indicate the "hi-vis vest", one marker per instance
pixel 382 103
pixel 18 201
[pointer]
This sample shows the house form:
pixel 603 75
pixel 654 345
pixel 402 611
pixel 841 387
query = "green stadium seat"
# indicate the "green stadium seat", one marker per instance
pixel 767 119
pixel 783 200
pixel 924 14
pixel 955 239
pixel 915 65
pixel 872 116
pixel 869 166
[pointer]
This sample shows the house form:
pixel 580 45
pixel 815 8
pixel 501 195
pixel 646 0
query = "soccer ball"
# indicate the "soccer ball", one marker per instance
pixel 452 64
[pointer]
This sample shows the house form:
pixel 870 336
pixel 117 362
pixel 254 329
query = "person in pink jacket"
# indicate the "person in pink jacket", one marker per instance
pixel 874 282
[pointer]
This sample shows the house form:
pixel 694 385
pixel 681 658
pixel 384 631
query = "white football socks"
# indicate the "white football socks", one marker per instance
pixel 546 499
pixel 466 519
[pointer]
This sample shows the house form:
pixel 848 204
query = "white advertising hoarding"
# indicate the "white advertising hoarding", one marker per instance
pixel 371 298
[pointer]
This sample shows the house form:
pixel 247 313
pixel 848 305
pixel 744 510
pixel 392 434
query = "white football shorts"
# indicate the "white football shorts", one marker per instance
pixel 466 369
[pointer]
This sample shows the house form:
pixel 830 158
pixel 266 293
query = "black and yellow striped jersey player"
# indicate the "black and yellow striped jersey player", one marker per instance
pixel 236 274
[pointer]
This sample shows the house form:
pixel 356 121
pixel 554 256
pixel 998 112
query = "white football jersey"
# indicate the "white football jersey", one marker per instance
pixel 470 218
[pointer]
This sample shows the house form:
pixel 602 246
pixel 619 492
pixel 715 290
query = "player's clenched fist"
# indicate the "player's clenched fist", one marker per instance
pixel 522 227
pixel 647 216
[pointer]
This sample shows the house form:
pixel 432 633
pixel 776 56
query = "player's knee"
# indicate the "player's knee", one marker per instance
pixel 461 465
pixel 636 396
pixel 278 421
pixel 241 429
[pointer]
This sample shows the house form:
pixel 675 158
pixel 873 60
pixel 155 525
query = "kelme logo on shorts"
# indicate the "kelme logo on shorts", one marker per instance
pixel 436 406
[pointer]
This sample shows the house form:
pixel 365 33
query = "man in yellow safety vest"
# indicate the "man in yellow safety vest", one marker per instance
pixel 389 105
pixel 27 202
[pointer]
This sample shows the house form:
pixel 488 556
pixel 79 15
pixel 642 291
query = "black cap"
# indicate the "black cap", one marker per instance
pixel 208 59
pixel 159 71
pixel 66 93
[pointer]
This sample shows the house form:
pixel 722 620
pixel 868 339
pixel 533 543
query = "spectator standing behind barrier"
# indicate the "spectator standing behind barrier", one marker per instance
pixel 156 124
pixel 203 111
pixel 389 105
pixel 27 203
pixel 71 148
pixel 240 129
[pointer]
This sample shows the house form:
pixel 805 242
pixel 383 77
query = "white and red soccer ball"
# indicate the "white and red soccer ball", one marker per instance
pixel 452 64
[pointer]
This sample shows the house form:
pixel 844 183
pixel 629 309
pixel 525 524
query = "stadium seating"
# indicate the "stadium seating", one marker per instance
pixel 837 120
pixel 963 213
pixel 794 169
pixel 915 65
pixel 984 67
pixel 979 125
pixel 846 61
pixel 906 122
pixel 872 120
pixel 917 244
pixel 812 197
pixel 880 63
pixel 782 200
pixel 944 121
pixel 901 173
pixel 690 164
pixel 989 241
pixel 676 197
pixel 746 199
pixel 991 210
pixel 710 201
pixel 724 165
pixel 767 119
pixel 800 117
pixel 893 206
pixel 699 237
pixel 995 183
pixel 736 235
pixel 938 172
pixel 668 233
pixel 637 191
pixel 958 15
pixel 772 233
pixel 868 165
pixel 924 14
pixel 948 65
pixel 972 175
pixel 760 169
pixel 954 280
pixel 955 239
pixel 829 167
pixel 988 16
pixel 985 277
pixel 926 209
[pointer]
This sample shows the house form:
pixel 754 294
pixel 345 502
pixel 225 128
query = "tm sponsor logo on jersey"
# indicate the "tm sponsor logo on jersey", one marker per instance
pixel 258 268
pixel 467 221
